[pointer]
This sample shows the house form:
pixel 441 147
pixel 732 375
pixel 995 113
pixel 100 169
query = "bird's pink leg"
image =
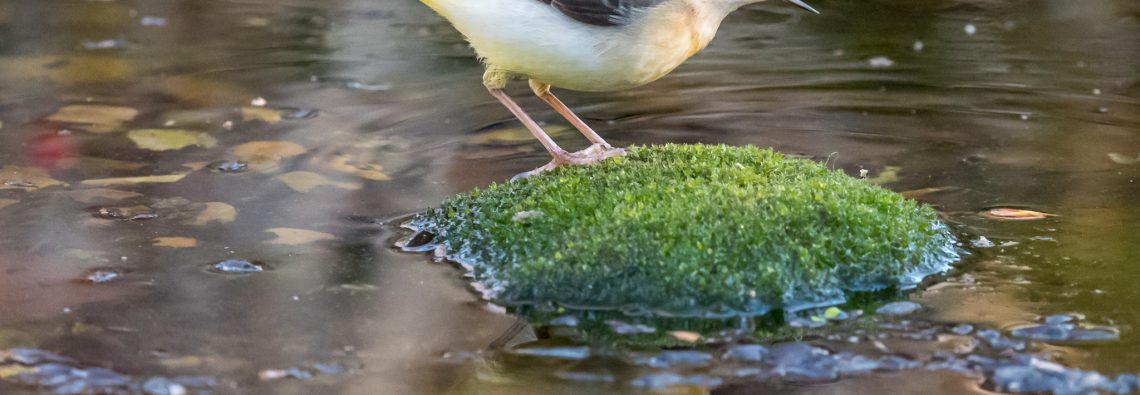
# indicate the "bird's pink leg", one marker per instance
pixel 542 90
pixel 561 157
pixel 559 154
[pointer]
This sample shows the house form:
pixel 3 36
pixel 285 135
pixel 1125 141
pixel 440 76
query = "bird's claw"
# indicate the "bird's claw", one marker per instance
pixel 592 154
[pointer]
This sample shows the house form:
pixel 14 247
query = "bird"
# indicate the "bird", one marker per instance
pixel 582 45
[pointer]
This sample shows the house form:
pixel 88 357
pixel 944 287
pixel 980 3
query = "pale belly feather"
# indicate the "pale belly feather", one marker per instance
pixel 533 40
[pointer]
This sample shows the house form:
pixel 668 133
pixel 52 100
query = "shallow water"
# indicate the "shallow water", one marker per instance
pixel 1037 108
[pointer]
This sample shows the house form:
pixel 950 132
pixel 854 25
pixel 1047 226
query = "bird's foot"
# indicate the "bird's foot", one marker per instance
pixel 593 154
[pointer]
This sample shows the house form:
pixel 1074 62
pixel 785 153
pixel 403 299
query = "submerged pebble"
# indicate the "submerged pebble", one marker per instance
pixel 802 361
pixel 665 380
pixel 745 353
pixel 962 329
pixel 232 166
pixel 623 328
pixel 56 374
pixel 1063 328
pixel 675 359
pixel 898 308
pixel 566 320
pixel 299 113
pixel 1035 375
pixel 136 213
pixel 237 266
pixel 998 341
pixel 275 374
pixel 102 276
pixel 585 376
pixel 330 368
pixel 162 386
pixel 31 356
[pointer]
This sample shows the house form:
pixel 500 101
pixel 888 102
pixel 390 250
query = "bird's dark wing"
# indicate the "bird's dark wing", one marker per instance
pixel 602 12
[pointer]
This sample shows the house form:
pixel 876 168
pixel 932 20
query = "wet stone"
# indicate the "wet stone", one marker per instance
pixel 31 356
pixel 232 166
pixel 898 308
pixel 623 328
pixel 63 379
pixel 566 320
pixel 102 276
pixel 997 341
pixel 585 376
pixel 813 322
pixel 299 113
pixel 675 359
pixel 852 364
pixel 1129 382
pixel 420 241
pixel 101 377
pixel 332 369
pixel 958 366
pixel 162 386
pixel 1059 319
pixel 1058 332
pixel 237 266
pixel 555 352
pixel 1034 375
pixel 803 361
pixel 962 329
pixel 293 373
pixel 1062 328
pixel 136 213
pixel 666 380
pixel 892 363
pixel 745 353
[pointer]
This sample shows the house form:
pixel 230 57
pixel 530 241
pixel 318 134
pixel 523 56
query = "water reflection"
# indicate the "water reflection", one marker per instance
pixel 1023 112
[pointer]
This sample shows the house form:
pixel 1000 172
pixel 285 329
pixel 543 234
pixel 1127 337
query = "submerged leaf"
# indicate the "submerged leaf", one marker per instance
pixel 267 115
pixel 7 202
pixel 72 70
pixel 264 156
pixel 26 178
pixel 686 336
pixel 305 181
pixel 290 236
pixel 95 118
pixel 345 164
pixel 94 165
pixel 101 195
pixel 513 136
pixel 1123 159
pixel 169 140
pixel 9 371
pixel 1015 214
pixel 219 212
pixel 175 242
pixel 267 151
pixel 135 180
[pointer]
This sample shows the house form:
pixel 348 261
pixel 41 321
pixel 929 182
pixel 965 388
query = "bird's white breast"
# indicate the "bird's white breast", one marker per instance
pixel 534 40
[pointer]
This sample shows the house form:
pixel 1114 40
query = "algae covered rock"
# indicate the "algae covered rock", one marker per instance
pixel 689 230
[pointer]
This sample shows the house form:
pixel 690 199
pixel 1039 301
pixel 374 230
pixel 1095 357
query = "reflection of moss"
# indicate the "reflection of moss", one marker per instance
pixel 689 230
pixel 602 328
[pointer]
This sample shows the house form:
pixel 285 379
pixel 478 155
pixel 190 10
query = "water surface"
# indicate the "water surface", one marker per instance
pixel 361 112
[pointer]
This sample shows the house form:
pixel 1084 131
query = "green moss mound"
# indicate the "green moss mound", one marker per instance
pixel 689 230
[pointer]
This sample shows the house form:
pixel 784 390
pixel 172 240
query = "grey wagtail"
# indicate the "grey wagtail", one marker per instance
pixel 583 45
